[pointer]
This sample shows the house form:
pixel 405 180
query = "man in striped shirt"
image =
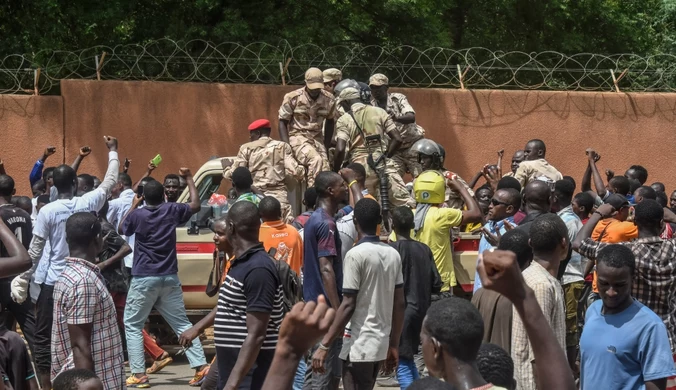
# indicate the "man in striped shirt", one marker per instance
pixel 250 308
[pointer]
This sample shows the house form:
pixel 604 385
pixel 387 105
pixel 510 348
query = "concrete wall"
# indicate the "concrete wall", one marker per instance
pixel 188 123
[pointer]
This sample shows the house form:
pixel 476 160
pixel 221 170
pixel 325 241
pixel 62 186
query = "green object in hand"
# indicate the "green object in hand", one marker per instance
pixel 157 160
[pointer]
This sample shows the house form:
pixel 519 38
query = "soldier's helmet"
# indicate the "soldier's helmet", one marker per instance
pixel 346 83
pixel 427 147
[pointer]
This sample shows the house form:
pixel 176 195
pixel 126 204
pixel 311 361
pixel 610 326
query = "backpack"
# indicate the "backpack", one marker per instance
pixel 292 287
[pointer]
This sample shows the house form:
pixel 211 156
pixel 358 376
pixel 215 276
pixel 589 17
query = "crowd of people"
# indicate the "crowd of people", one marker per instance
pixel 573 288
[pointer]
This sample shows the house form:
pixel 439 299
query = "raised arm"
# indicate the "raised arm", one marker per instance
pixel 82 153
pixel 195 205
pixel 500 272
pixel 113 171
pixel 149 171
pixel 473 212
pixel 598 181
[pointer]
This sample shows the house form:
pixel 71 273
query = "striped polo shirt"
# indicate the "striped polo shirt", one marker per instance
pixel 251 285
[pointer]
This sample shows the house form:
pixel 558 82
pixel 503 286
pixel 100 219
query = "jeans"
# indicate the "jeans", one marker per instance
pixel 407 373
pixel 299 379
pixel 43 330
pixel 165 294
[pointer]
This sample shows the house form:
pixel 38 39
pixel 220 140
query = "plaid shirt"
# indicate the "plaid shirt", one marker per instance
pixel 81 297
pixel 654 278
pixel 549 294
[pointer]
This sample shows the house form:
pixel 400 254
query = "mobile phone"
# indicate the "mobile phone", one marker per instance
pixel 139 191
pixel 157 160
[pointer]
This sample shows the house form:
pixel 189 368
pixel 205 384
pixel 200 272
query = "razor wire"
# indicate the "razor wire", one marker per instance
pixel 405 66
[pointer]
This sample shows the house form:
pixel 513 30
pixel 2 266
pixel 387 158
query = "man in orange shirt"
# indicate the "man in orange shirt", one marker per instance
pixel 274 233
pixel 612 230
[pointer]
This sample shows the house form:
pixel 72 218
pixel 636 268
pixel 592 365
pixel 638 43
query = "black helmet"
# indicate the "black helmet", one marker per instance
pixel 347 83
pixel 364 92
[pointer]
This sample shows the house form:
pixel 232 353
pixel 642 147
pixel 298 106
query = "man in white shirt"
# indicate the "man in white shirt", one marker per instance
pixel 117 208
pixel 50 227
pixel 371 315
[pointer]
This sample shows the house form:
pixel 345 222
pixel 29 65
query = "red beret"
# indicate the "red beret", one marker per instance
pixel 259 124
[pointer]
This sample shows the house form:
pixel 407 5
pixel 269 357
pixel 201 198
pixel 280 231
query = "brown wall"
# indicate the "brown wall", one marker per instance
pixel 189 122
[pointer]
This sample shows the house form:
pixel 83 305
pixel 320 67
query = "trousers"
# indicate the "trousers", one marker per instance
pixel 165 294
pixel 311 154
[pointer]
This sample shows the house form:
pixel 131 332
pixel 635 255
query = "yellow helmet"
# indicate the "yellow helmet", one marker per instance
pixel 430 187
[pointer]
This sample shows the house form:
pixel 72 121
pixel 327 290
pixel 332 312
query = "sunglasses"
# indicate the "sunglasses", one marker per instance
pixel 496 202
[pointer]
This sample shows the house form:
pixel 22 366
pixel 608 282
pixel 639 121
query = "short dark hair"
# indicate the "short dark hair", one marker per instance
pixel 617 256
pixel 81 229
pixel 564 190
pixel 430 383
pixel 172 176
pixel 570 179
pixel 509 182
pixel 70 379
pixel 660 186
pixel 641 173
pixel 270 209
pixel 323 181
pixel 146 180
pixel 662 198
pixel 153 192
pixel 540 144
pixel 64 178
pixel 646 192
pixel 125 179
pixel 367 215
pixel 244 215
pixel 516 240
pixel 6 185
pixel 43 199
pixel 39 185
pixel 310 197
pixel 456 324
pixel 22 202
pixel 633 185
pixel 241 178
pixel 358 169
pixel 402 218
pixel 495 365
pixel 648 214
pixel 87 179
pixel 485 187
pixel 584 199
pixel 514 197
pixel 48 172
pixel 546 233
pixel 621 184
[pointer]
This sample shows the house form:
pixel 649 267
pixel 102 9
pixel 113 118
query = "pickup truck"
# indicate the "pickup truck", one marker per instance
pixel 195 247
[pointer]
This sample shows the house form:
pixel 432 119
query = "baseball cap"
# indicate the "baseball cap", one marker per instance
pixel 259 124
pixel 314 79
pixel 617 201
pixel 378 79
pixel 332 74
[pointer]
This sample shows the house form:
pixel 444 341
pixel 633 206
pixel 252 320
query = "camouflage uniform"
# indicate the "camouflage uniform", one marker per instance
pixel 306 120
pixel 539 169
pixel 269 161
pixel 373 121
pixel 404 159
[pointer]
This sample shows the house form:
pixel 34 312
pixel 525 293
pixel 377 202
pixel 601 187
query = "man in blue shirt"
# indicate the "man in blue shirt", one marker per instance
pixel 505 203
pixel 154 273
pixel 624 345
pixel 323 269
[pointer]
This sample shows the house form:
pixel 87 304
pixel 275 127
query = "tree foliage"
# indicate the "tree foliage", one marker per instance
pixel 570 26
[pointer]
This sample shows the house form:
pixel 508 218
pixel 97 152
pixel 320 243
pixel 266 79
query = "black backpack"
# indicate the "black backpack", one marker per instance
pixel 292 287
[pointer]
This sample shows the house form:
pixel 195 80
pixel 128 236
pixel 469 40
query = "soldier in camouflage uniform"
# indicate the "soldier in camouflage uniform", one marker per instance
pixel 362 131
pixel 301 117
pixel 403 116
pixel 269 162
pixel 431 156
pixel 332 77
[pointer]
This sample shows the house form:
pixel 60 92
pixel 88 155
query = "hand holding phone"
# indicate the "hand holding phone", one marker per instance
pixel 156 161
